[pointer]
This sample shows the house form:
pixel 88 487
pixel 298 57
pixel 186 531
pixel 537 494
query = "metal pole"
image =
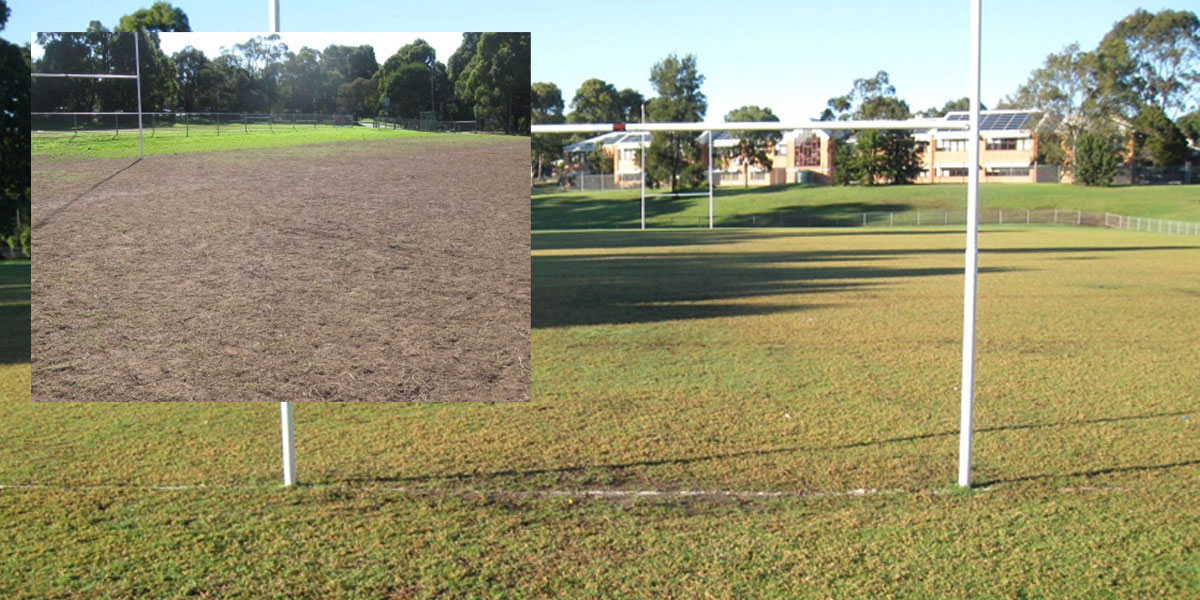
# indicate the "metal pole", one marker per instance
pixel 289 446
pixel 137 59
pixel 643 169
pixel 285 408
pixel 711 147
pixel 966 422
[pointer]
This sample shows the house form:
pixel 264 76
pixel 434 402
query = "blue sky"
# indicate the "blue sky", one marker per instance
pixel 791 56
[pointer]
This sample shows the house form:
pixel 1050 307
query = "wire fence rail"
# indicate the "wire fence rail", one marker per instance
pixel 426 125
pixel 911 218
pixel 72 124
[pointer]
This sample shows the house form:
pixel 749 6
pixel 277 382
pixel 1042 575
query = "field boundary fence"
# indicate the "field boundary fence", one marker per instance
pixel 112 124
pixel 910 218
pixel 1151 225
pixel 426 125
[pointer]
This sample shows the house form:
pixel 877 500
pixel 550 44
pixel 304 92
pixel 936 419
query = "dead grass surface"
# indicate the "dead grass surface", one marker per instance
pixel 395 270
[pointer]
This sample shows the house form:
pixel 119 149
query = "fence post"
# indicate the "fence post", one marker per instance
pixel 918 216
pixel 218 123
pixel 1000 219
pixel 1079 217
pixel 892 219
pixel 187 128
pixel 864 219
pixel 1056 216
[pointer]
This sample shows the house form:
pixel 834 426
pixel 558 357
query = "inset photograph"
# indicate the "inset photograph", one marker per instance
pixel 280 217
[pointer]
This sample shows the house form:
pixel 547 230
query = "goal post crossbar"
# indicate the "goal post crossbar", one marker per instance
pixel 750 126
pixel 137 64
pixel 85 75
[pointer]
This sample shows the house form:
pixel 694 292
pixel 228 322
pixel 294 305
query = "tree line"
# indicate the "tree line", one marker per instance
pixel 483 80
pixel 1135 95
pixel 14 138
pixel 1127 100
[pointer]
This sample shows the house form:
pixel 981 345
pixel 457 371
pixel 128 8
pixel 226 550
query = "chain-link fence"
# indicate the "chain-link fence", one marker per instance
pixel 426 125
pixel 59 124
pixel 1126 175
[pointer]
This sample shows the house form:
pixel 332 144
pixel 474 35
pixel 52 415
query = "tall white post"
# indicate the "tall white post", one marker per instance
pixel 137 59
pixel 285 408
pixel 289 448
pixel 712 145
pixel 966 426
pixel 643 140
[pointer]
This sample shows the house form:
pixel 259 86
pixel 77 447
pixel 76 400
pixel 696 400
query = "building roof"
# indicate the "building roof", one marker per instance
pixel 997 120
pixel 612 138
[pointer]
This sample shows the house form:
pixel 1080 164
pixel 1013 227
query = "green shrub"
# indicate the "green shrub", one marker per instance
pixel 1095 160
pixel 26 239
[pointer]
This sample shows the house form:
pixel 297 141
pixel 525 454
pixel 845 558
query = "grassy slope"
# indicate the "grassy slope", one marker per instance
pixel 622 208
pixel 126 146
pixel 669 360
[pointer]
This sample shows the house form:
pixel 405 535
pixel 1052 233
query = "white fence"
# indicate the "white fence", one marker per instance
pixel 1151 225
pixel 909 218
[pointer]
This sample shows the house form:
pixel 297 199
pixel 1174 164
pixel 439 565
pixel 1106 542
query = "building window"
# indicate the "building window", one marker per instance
pixel 1002 144
pixel 1008 171
pixel 781 149
pixel 922 147
pixel 808 152
pixel 629 154
pixel 952 145
pixel 953 172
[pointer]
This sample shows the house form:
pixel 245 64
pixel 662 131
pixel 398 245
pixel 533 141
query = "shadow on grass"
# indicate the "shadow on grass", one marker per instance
pixel 560 211
pixel 835 214
pixel 1092 473
pixel 14 312
pixel 642 288
pixel 50 214
pixel 798 449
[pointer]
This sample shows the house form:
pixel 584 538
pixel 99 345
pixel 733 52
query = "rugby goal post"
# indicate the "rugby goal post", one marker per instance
pixel 286 415
pixel 971 268
pixel 137 75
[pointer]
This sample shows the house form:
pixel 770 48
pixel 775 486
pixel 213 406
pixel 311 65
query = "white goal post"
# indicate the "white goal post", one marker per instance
pixel 971 267
pixel 137 75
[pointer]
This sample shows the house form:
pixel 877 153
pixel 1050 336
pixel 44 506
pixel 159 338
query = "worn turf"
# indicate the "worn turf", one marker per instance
pixel 807 363
pixel 339 272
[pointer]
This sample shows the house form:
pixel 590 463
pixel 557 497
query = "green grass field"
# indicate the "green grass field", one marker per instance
pixel 812 373
pixel 172 141
pixel 553 209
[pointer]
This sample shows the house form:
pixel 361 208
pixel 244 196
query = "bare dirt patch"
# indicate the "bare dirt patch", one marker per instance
pixel 395 270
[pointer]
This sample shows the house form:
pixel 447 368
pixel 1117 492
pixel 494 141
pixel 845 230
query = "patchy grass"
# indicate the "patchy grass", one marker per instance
pixel 552 209
pixel 795 361
pixel 126 146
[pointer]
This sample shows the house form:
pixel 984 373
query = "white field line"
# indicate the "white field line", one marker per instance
pixel 576 493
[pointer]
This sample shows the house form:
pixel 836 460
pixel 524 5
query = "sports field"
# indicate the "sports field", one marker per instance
pixel 738 413
pixel 553 209
pixel 390 269
pixel 174 141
